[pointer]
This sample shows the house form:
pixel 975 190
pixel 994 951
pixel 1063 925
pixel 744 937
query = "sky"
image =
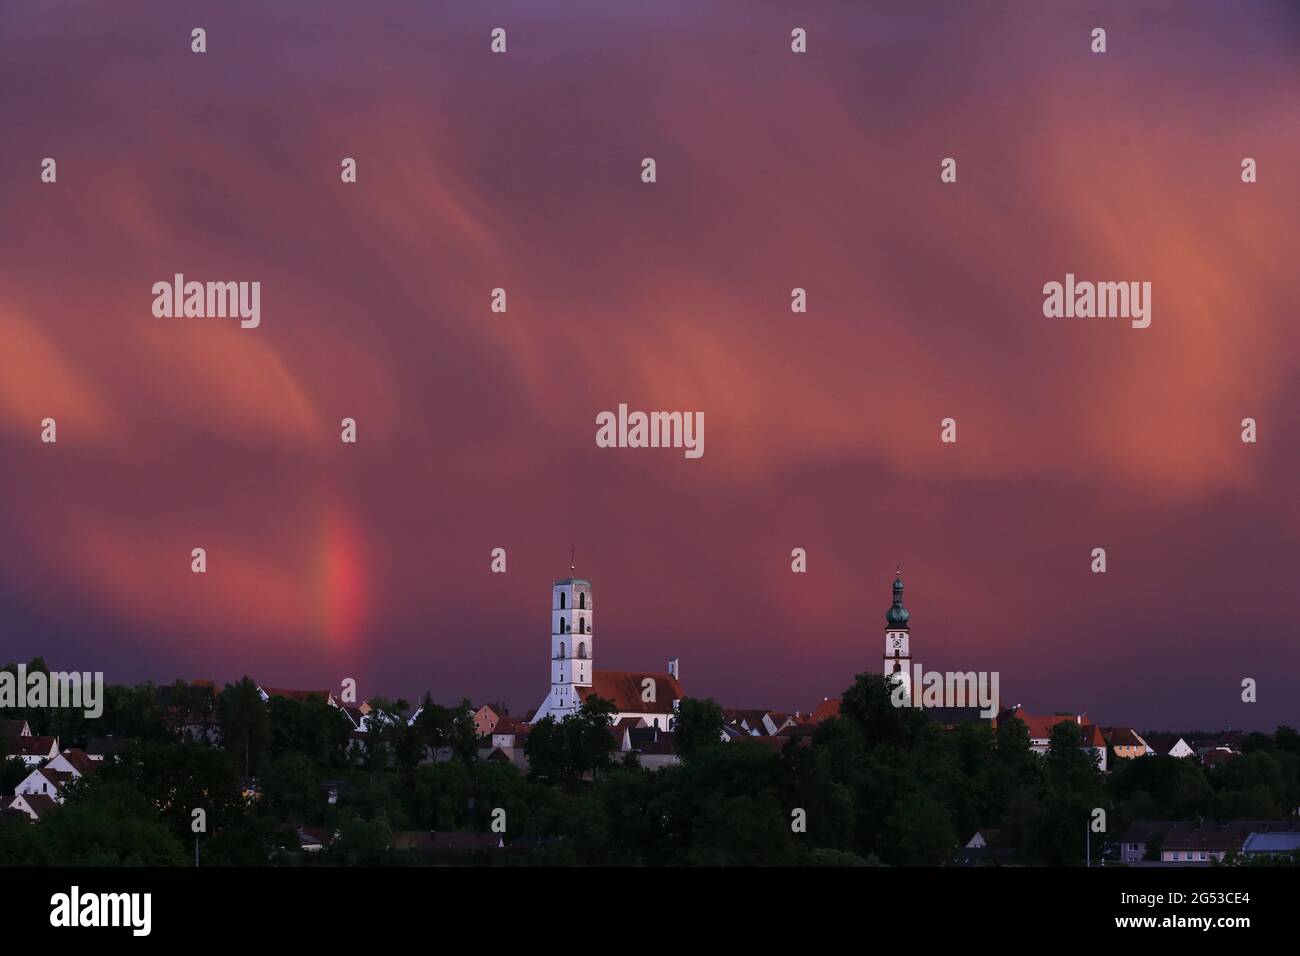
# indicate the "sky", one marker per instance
pixel 476 430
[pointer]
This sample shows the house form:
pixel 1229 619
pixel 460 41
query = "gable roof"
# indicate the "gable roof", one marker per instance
pixel 1122 737
pixel 1162 743
pixel 80 761
pixel 40 803
pixel 56 777
pixel 31 746
pixel 15 728
pixel 1092 736
pixel 624 689
pixel 509 726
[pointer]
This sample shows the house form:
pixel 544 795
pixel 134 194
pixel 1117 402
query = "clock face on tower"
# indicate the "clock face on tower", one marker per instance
pixel 898 642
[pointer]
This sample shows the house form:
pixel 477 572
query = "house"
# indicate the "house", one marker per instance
pixel 1142 834
pixel 1040 732
pixel 1200 846
pixel 33 751
pixel 44 782
pixel 1171 745
pixel 14 728
pixel 756 723
pixel 506 742
pixel 73 761
pixel 1269 844
pixel 486 717
pixel 508 733
pixel 35 805
pixel 1146 837
pixel 654 748
pixel 1125 742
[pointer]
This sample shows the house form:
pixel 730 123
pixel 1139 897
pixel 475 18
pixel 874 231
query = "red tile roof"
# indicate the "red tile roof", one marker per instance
pixel 508 725
pixel 828 708
pixel 624 689
pixel 1040 725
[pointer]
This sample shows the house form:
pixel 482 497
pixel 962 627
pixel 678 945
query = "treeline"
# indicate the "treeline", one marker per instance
pixel 877 785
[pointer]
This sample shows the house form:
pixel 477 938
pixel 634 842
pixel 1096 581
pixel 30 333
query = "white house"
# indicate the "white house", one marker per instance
pixel 34 805
pixel 73 761
pixel 44 783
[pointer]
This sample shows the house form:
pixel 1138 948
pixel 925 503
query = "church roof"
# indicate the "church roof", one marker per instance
pixel 624 689
pixel 573 581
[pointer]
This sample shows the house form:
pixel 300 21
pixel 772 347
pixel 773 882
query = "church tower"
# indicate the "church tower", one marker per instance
pixel 898 649
pixel 571 646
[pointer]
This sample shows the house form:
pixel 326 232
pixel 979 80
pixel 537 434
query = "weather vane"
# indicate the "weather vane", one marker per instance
pixel 572 565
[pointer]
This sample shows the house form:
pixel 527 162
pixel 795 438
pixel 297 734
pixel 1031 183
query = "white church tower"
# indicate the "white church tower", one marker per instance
pixel 571 648
pixel 898 642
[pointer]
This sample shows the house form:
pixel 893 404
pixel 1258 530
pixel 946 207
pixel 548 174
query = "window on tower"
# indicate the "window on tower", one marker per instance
pixel 561 600
pixel 561 648
pixel 582 651
pixel 582 600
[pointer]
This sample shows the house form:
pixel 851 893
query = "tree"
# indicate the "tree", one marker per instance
pixel 309 727
pixel 587 738
pixel 698 724
pixel 869 703
pixel 245 725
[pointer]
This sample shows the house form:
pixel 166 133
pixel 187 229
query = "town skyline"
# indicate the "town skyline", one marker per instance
pixel 817 181
pixel 1028 702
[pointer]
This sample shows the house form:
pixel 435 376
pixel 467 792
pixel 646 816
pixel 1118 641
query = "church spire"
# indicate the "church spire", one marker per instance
pixel 897 615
